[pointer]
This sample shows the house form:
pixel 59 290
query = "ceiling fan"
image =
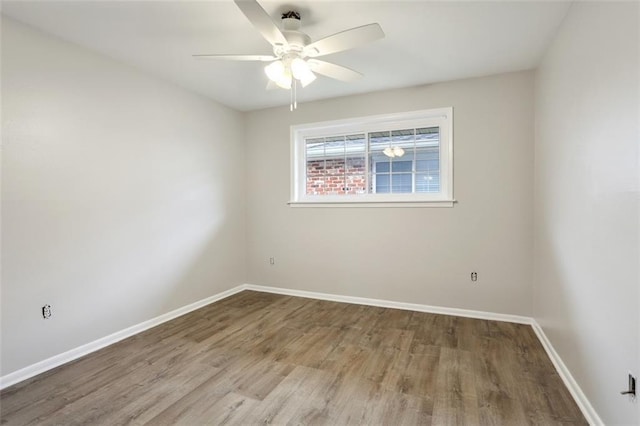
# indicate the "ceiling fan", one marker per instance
pixel 294 55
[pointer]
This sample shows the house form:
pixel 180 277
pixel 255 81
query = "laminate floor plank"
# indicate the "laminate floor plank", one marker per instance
pixel 348 401
pixel 107 404
pixel 398 409
pixel 346 360
pixel 419 378
pixel 256 358
pixel 59 398
pixel 456 401
pixel 154 396
pixel 284 401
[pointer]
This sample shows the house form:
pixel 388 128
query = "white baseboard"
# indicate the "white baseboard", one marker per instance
pixel 57 360
pixel 65 357
pixel 394 305
pixel 581 399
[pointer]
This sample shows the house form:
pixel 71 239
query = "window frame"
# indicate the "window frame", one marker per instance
pixel 440 117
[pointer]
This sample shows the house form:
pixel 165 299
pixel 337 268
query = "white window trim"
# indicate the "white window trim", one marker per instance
pixel 442 117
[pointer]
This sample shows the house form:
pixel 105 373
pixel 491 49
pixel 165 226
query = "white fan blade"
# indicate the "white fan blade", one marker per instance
pixel 334 71
pixel 262 58
pixel 344 40
pixel 262 21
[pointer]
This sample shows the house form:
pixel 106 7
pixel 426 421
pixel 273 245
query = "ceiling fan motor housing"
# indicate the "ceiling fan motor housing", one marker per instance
pixel 296 39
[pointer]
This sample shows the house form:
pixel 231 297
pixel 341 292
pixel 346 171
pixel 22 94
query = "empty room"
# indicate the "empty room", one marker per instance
pixel 320 212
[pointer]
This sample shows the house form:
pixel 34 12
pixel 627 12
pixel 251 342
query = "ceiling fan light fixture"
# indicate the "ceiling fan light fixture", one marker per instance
pixel 283 72
pixel 302 72
pixel 284 84
pixel 275 71
pixel 279 73
pixel 285 81
pixel 307 80
pixel 399 152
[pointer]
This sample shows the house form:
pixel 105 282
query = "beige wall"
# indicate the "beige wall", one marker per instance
pixel 122 197
pixel 586 285
pixel 420 255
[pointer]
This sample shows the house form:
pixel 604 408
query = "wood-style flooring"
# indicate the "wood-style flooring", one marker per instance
pixel 265 358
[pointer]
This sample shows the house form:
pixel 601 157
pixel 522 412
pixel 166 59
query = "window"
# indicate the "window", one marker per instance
pixel 381 160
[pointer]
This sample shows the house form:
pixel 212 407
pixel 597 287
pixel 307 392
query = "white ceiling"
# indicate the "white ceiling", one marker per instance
pixel 425 42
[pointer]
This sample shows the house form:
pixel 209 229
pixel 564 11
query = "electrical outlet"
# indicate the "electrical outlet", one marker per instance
pixel 46 311
pixel 272 261
pixel 474 276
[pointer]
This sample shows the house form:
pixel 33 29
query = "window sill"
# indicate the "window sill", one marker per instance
pixel 403 204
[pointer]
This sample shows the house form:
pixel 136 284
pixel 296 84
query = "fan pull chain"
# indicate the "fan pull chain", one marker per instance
pixel 291 100
pixel 293 95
